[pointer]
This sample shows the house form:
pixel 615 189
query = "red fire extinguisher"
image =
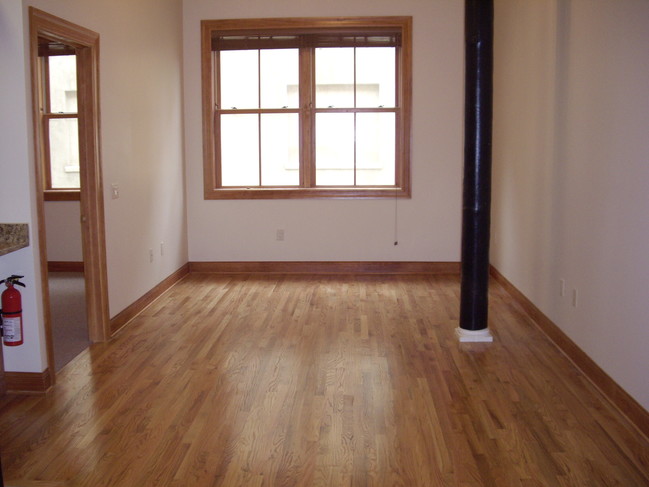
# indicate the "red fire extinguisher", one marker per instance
pixel 12 312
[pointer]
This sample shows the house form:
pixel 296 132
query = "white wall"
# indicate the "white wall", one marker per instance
pixel 429 224
pixel 17 200
pixel 571 171
pixel 141 137
pixel 63 229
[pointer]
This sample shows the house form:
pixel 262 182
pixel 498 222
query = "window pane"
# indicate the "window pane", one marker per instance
pixel 64 153
pixel 375 149
pixel 375 76
pixel 280 148
pixel 239 79
pixel 63 84
pixel 279 78
pixel 240 150
pixel 334 149
pixel 334 74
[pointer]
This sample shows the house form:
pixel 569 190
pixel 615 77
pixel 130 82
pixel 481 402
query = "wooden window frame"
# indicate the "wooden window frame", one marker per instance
pixel 307 188
pixel 50 193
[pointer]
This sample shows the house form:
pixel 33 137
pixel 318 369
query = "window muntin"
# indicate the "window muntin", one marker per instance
pixel 321 111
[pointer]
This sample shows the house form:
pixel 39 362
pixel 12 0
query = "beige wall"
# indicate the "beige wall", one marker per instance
pixel 141 137
pixel 429 223
pixel 17 200
pixel 141 151
pixel 63 227
pixel 571 171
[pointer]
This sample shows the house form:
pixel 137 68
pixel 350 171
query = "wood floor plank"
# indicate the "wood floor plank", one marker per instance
pixel 297 380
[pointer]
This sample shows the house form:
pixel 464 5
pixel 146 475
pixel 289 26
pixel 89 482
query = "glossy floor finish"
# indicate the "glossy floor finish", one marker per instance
pixel 319 381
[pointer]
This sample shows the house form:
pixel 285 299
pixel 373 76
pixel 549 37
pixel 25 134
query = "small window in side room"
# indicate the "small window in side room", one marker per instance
pixel 59 120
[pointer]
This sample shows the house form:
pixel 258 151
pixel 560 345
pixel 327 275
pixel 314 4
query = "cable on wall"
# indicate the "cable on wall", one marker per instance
pixel 396 218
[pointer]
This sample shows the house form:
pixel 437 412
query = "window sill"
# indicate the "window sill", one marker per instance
pixel 304 193
pixel 62 195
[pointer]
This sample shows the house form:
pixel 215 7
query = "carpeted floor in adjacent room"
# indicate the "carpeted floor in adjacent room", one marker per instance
pixel 68 312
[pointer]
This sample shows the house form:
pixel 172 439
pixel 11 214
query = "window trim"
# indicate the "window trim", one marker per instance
pixel 211 174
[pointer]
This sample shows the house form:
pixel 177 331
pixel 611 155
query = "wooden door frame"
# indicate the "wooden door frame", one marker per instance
pixel 86 43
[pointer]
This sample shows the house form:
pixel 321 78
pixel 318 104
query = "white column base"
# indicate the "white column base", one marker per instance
pixel 474 335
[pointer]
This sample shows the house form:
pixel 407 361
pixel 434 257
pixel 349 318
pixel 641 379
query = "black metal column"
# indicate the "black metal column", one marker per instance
pixel 477 163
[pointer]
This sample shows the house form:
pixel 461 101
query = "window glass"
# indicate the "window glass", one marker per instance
pixel 334 149
pixel 64 152
pixel 280 148
pixel 375 149
pixel 63 84
pixel 279 78
pixel 239 80
pixel 334 75
pixel 240 150
pixel 375 77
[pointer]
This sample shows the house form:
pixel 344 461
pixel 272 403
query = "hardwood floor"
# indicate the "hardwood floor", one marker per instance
pixel 319 381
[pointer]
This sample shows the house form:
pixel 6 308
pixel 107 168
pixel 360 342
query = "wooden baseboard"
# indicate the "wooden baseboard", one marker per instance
pixel 36 483
pixel 28 382
pixel 326 267
pixel 611 389
pixel 64 266
pixel 130 312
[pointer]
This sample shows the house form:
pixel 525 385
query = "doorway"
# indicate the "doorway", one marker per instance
pixel 76 175
pixel 67 315
pixel 57 63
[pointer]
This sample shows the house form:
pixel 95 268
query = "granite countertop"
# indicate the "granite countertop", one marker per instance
pixel 13 236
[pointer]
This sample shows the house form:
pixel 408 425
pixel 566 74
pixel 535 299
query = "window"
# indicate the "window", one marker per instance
pixel 299 108
pixel 59 120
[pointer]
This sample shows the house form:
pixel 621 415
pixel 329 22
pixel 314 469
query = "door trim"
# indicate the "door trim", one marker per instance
pixel 86 43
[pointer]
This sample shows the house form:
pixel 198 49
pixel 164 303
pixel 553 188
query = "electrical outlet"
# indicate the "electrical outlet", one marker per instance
pixel 114 191
pixel 280 235
pixel 150 255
